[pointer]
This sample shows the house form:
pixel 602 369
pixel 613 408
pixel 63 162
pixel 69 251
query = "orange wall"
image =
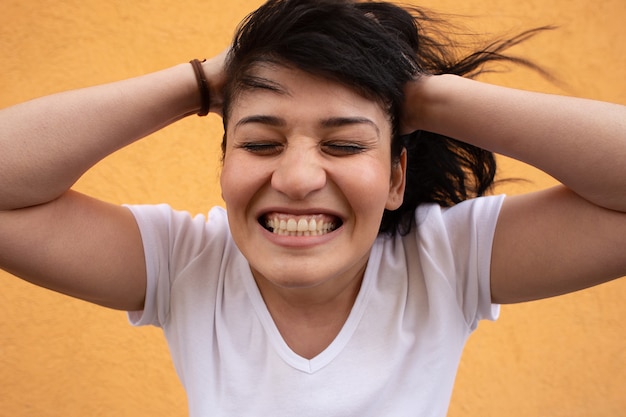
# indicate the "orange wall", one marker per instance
pixel 62 357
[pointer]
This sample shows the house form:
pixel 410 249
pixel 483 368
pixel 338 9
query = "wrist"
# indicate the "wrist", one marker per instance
pixel 213 69
pixel 203 86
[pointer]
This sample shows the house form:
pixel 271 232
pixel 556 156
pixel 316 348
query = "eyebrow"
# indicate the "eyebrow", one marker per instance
pixel 348 121
pixel 328 123
pixel 261 119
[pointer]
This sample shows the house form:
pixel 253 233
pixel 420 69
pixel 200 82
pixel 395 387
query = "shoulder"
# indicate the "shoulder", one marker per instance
pixel 163 219
pixel 177 237
pixel 478 209
pixel 453 232
pixel 476 217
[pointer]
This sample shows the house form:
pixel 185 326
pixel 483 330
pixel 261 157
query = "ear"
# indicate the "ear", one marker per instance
pixel 397 183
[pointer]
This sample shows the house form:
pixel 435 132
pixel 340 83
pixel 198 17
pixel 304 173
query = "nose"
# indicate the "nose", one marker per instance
pixel 299 172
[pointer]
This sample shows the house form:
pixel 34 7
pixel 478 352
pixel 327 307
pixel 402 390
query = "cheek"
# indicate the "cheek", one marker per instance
pixel 367 187
pixel 230 182
pixel 240 180
pixel 231 186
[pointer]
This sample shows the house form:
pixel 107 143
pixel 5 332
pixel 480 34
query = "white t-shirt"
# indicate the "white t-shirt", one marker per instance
pixel 396 355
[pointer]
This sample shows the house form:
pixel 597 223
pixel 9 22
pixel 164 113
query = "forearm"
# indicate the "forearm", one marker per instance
pixel 580 142
pixel 48 143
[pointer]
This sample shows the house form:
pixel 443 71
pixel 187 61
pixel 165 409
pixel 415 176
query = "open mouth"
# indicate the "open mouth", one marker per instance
pixel 309 225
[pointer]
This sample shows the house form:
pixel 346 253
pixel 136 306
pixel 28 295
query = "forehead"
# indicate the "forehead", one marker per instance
pixel 271 87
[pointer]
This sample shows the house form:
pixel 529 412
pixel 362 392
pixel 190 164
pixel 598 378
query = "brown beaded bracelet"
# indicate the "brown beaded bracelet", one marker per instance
pixel 203 86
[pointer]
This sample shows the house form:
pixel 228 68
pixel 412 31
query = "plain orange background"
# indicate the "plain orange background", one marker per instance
pixel 63 357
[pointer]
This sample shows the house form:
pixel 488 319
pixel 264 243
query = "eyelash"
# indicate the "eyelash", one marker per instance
pixel 331 148
pixel 261 148
pixel 342 149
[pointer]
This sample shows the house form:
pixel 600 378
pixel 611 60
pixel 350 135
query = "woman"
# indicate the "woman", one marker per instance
pixel 335 283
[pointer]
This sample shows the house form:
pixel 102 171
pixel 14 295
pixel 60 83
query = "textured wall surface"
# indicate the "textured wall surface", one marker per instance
pixel 62 357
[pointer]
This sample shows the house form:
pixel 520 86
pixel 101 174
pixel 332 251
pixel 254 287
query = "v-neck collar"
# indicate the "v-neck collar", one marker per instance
pixel 341 340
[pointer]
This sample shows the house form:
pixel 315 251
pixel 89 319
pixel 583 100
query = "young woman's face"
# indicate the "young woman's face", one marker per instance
pixel 307 175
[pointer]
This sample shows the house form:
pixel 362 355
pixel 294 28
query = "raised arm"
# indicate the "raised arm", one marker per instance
pixel 553 241
pixel 48 143
pixel 57 238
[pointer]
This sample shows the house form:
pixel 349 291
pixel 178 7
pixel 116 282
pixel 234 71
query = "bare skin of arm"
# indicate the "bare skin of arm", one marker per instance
pixel 554 241
pixel 58 238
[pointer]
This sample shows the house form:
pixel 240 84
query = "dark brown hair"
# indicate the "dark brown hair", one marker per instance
pixel 376 48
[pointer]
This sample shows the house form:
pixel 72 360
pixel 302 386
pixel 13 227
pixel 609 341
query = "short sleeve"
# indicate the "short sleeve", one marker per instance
pixel 173 240
pixel 456 243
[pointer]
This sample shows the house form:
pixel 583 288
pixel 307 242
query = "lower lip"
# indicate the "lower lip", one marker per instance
pixel 299 241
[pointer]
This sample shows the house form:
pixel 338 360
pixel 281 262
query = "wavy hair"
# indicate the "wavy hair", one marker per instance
pixel 375 48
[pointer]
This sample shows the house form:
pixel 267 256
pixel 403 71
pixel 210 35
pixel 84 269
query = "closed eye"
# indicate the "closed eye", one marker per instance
pixel 261 148
pixel 343 148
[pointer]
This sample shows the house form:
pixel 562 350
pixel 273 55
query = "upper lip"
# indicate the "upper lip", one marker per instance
pixel 299 212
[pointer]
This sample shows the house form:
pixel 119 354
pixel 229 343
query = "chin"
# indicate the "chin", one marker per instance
pixel 292 280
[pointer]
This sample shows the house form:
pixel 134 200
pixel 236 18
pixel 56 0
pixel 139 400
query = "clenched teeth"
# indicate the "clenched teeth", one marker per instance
pixel 282 224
